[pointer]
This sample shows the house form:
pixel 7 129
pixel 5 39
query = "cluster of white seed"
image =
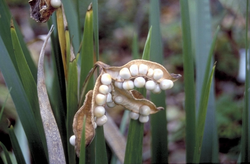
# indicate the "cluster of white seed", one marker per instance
pixel 102 98
pixel 134 76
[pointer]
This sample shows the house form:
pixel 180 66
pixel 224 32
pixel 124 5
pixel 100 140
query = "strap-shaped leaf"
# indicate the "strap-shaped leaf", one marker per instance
pixel 53 138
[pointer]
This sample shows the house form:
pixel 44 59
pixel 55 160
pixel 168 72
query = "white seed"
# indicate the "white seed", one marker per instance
pixel 143 119
pixel 139 82
pixel 95 125
pixel 143 69
pixel 109 98
pixel 150 85
pixel 106 79
pixel 72 140
pixel 100 99
pixel 111 104
pixel 110 88
pixel 118 100
pixel 55 3
pixel 150 72
pixel 157 89
pixel 124 73
pixel 104 89
pixel 166 84
pixel 99 111
pixel 127 85
pixel 157 74
pixel 134 70
pixel 133 115
pixel 101 120
pixel 144 110
pixel 118 84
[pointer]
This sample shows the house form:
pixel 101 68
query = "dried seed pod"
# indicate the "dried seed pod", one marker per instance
pixel 41 10
pixel 85 110
pixel 134 115
pixel 133 100
pixel 139 82
pixel 146 66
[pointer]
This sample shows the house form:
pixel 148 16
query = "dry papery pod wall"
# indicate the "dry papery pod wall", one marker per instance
pixel 115 86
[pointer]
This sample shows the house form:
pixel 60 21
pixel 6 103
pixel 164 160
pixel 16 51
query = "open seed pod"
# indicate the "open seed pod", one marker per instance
pixel 41 10
pixel 87 111
pixel 115 86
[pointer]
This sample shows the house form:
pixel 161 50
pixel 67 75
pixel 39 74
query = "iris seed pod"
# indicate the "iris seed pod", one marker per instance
pixel 166 84
pixel 99 111
pixel 134 70
pixel 72 140
pixel 101 120
pixel 125 73
pixel 144 110
pixel 158 74
pixel 150 72
pixel 150 85
pixel 157 89
pixel 127 85
pixel 104 89
pixel 143 119
pixel 100 99
pixel 106 79
pixel 134 115
pixel 143 69
pixel 56 3
pixel 139 82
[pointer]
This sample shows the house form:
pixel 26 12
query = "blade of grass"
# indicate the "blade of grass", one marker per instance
pixel 28 81
pixel 87 51
pixel 71 16
pixel 17 150
pixel 3 105
pixel 72 105
pixel 159 138
pixel 5 34
pixel 82 150
pixel 53 138
pixel 7 156
pixel 202 118
pixel 96 28
pixel 23 107
pixel 188 81
pixel 245 141
pixel 134 145
pixel 201 30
